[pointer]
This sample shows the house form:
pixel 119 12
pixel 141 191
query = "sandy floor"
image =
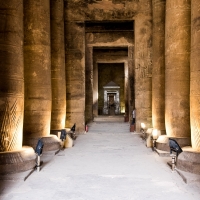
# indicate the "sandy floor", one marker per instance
pixel 107 163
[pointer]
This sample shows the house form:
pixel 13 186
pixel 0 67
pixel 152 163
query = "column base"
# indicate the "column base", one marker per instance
pixel 189 160
pixel 55 132
pixel 17 161
pixel 132 127
pixel 51 143
pixel 162 143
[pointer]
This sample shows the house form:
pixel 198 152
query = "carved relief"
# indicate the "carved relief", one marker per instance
pixel 196 135
pixel 144 50
pixel 144 61
pixel 102 10
pixel 9 126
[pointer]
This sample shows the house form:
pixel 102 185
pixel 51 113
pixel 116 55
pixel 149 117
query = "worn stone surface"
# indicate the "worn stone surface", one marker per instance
pixel 194 75
pixel 140 11
pixel 75 74
pixel 131 83
pixel 158 65
pixel 177 69
pixel 58 112
pixel 189 160
pixel 162 143
pixel 11 75
pixel 103 10
pixel 89 84
pixel 37 61
pixel 17 161
pixel 143 65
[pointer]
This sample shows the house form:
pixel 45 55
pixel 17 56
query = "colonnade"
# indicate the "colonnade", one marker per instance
pixel 171 67
pixel 34 87
pixel 11 75
pixel 32 67
pixel 176 45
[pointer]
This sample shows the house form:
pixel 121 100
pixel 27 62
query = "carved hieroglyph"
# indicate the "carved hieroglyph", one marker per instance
pixel 11 75
pixel 9 127
pixel 143 69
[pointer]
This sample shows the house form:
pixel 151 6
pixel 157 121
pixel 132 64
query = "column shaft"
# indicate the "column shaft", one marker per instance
pixel 75 74
pixel 158 70
pixel 177 68
pixel 11 75
pixel 37 70
pixel 194 76
pixel 131 84
pixel 58 113
pixel 143 69
pixel 89 84
pixel 95 88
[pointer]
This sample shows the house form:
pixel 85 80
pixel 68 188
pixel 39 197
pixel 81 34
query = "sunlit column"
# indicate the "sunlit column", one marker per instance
pixel 11 75
pixel 58 113
pixel 177 68
pixel 158 69
pixel 37 61
pixel 195 74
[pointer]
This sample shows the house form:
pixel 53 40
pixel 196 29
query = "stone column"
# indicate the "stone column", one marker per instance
pixel 143 68
pixel 12 156
pixel 131 87
pixel 37 61
pixel 12 75
pixel 89 84
pixel 177 68
pixel 194 76
pixel 75 74
pixel 126 89
pixel 189 159
pixel 58 81
pixel 158 69
pixel 95 88
pixel 117 110
pixel 105 107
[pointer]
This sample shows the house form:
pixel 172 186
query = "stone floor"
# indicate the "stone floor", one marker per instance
pixel 107 163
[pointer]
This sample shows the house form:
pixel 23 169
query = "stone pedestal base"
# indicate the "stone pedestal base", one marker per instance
pixel 55 132
pixel 17 161
pixel 132 127
pixel 189 160
pixel 162 143
pixel 148 134
pixel 68 142
pixel 51 143
pixel 126 118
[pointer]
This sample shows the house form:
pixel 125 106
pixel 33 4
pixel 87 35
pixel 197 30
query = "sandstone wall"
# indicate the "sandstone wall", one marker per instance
pixel 138 11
